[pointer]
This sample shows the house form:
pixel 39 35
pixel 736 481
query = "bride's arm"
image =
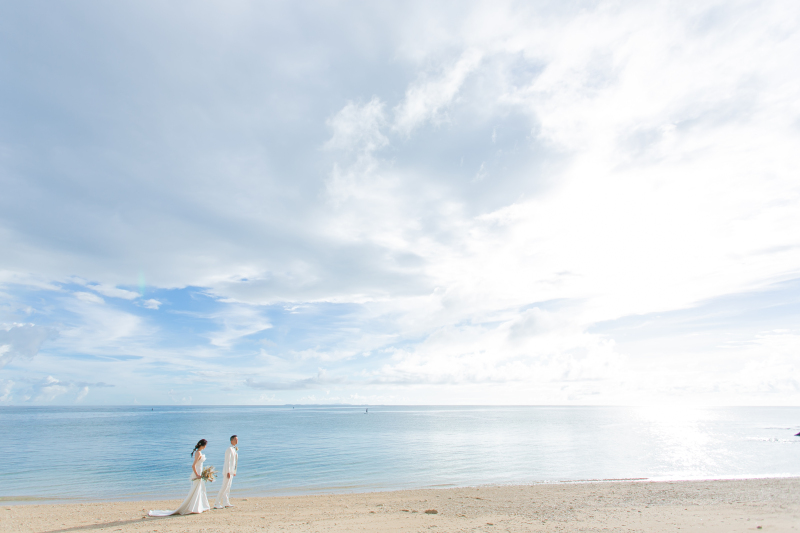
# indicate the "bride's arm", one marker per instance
pixel 194 464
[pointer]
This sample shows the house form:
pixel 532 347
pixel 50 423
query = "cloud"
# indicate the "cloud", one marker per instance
pixel 114 292
pixel 82 394
pixel 47 389
pixel 447 198
pixel 475 354
pixel 238 321
pixel 320 380
pixel 5 388
pixel 151 304
pixel 184 400
pixel 427 97
pixel 358 127
pixel 22 341
pixel 88 297
pixel 97 328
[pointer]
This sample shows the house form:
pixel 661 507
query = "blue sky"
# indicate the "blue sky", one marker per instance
pixel 400 203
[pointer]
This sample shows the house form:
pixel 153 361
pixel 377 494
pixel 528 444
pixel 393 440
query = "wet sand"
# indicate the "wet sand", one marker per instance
pixel 706 506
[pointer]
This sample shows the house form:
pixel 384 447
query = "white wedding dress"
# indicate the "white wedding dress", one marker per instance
pixel 196 501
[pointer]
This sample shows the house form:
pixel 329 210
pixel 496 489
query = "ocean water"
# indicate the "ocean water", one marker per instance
pixel 123 453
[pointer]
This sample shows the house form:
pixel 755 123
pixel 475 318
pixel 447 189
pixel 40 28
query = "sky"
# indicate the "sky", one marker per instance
pixel 519 203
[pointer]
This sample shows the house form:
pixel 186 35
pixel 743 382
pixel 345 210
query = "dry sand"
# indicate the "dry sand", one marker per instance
pixel 707 506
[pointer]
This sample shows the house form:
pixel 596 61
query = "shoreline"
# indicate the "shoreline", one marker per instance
pixel 280 493
pixel 634 505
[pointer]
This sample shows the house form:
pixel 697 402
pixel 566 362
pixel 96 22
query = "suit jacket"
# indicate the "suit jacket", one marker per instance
pixel 231 461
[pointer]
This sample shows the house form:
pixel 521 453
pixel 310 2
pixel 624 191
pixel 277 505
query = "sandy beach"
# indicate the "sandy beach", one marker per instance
pixel 708 506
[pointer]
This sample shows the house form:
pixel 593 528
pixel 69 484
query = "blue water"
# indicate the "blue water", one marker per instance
pixel 108 453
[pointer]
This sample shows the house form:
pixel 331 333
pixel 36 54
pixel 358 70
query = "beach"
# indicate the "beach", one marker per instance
pixel 708 506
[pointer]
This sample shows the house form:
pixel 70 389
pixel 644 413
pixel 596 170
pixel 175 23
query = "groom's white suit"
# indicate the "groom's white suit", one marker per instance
pixel 231 462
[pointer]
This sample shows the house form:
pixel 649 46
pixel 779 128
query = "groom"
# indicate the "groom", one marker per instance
pixel 228 473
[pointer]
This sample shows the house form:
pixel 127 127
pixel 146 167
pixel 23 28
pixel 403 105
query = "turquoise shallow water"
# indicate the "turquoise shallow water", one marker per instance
pixel 108 453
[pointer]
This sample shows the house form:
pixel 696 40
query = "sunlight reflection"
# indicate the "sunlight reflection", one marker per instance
pixel 683 433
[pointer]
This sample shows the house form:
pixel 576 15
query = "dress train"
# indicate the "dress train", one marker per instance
pixel 196 501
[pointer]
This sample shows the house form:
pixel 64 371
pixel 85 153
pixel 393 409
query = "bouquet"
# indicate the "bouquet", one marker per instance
pixel 208 474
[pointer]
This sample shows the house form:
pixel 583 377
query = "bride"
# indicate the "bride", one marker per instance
pixel 196 501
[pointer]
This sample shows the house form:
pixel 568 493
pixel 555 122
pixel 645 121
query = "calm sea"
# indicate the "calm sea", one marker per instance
pixel 117 453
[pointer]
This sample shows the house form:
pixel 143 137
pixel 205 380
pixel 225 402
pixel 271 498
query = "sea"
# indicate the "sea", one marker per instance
pixel 80 454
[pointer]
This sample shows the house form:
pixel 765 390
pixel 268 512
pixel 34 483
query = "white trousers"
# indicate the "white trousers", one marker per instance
pixel 223 498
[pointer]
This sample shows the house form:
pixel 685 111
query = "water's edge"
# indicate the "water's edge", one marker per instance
pixel 23 500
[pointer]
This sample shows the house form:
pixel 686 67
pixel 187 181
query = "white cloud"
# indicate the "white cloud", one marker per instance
pixel 101 329
pixel 678 176
pixel 517 351
pixel 114 292
pixel 22 341
pixel 88 297
pixel 5 387
pixel 518 174
pixel 82 394
pixel 46 390
pixel 769 364
pixel 761 370
pixel 321 379
pixel 358 127
pixel 426 98
pixel 237 321
pixel 50 388
pixel 180 400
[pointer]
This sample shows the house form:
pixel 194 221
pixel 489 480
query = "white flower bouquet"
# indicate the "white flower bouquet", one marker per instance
pixel 209 473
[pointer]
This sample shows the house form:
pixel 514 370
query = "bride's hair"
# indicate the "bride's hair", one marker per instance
pixel 201 442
